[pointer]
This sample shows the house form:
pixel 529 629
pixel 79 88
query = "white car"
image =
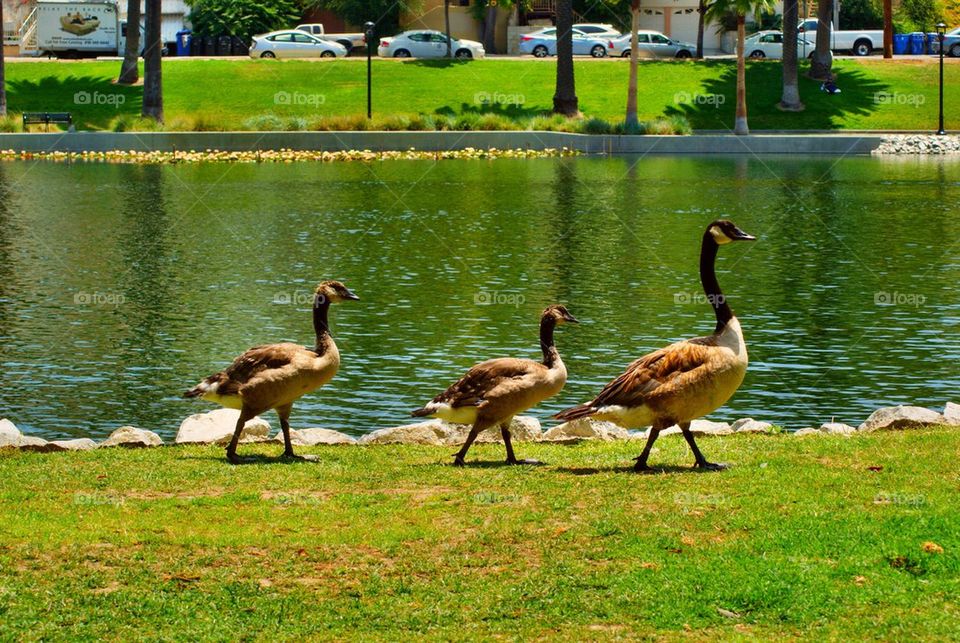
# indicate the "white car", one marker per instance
pixel 769 44
pixel 652 44
pixel 428 44
pixel 597 30
pixel 543 43
pixel 290 43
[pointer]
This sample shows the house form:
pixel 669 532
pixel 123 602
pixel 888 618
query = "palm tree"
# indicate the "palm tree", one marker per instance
pixel 888 29
pixel 790 100
pixel 152 55
pixel 822 63
pixel 129 73
pixel 740 8
pixel 632 120
pixel 702 7
pixel 3 75
pixel 446 20
pixel 565 98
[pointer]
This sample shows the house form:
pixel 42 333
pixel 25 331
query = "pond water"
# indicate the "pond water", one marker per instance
pixel 123 285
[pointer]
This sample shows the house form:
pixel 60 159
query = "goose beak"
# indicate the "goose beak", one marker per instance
pixel 571 319
pixel 743 236
pixel 352 296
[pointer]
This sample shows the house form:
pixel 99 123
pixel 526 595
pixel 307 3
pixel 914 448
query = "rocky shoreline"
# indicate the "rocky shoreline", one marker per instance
pixel 216 428
pixel 918 144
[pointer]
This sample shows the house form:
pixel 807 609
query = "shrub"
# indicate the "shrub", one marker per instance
pixel 11 123
pixel 596 126
pixel 263 123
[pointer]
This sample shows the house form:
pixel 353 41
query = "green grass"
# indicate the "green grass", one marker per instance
pixel 819 537
pixel 227 94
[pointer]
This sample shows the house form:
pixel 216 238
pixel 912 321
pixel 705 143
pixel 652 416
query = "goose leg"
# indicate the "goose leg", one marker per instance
pixel 478 426
pixel 641 465
pixel 284 415
pixel 245 415
pixel 505 432
pixel 701 462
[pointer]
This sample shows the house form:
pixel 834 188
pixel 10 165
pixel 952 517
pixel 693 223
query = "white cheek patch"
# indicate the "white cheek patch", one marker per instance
pixel 719 236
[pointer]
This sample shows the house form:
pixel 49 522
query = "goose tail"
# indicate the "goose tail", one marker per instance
pixel 576 413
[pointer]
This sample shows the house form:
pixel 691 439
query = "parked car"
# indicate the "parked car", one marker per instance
pixel 290 43
pixel 769 44
pixel 598 30
pixel 652 44
pixel 861 43
pixel 426 43
pixel 347 40
pixel 951 44
pixel 543 43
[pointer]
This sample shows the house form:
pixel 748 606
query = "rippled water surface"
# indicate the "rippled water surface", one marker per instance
pixel 121 286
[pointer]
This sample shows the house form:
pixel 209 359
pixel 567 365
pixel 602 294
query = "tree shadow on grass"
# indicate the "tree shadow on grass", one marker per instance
pixel 93 101
pixel 487 103
pixel 713 106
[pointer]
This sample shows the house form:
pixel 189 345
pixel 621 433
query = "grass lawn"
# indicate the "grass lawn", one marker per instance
pixel 223 94
pixel 816 537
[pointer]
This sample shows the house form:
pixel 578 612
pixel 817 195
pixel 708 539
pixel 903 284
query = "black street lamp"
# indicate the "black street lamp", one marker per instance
pixel 941 32
pixel 370 35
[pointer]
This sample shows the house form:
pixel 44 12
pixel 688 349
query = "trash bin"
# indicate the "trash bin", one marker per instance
pixel 933 43
pixel 184 38
pixel 209 46
pixel 916 43
pixel 224 44
pixel 239 47
pixel 901 42
pixel 196 46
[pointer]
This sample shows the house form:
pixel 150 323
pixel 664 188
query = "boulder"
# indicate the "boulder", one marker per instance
pixel 900 417
pixel 523 428
pixel 217 426
pixel 83 444
pixel 313 437
pixel 440 433
pixel 33 443
pixel 585 429
pixel 131 437
pixel 951 414
pixel 806 431
pixel 749 425
pixel 837 428
pixel 9 434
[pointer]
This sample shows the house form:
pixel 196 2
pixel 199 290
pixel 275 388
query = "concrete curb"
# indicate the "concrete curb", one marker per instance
pixel 699 144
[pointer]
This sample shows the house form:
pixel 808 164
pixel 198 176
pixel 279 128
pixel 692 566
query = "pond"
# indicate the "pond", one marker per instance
pixel 123 285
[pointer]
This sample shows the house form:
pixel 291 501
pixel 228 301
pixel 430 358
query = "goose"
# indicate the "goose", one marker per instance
pixel 274 376
pixel 685 380
pixel 492 392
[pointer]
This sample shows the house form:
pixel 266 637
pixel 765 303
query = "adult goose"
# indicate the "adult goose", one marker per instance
pixel 274 376
pixel 685 380
pixel 492 392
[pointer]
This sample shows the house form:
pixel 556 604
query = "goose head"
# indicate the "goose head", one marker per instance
pixel 559 314
pixel 333 292
pixel 724 231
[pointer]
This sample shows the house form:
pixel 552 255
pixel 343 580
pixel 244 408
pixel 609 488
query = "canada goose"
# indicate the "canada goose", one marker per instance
pixel 494 391
pixel 685 380
pixel 274 376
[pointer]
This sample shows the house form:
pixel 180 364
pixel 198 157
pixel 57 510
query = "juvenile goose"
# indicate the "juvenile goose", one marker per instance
pixel 274 376
pixel 492 392
pixel 685 380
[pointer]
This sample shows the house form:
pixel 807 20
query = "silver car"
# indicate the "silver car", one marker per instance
pixel 427 43
pixel 653 44
pixel 290 43
pixel 543 43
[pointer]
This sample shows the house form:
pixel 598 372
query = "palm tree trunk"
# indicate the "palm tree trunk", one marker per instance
pixel 632 120
pixel 888 29
pixel 790 101
pixel 152 56
pixel 3 72
pixel 490 29
pixel 822 63
pixel 565 98
pixel 701 13
pixel 446 20
pixel 129 72
pixel 740 124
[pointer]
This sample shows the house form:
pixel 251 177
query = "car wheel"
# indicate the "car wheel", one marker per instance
pixel 862 48
pixel 401 53
pixel 346 44
pixel 625 54
pixel 328 54
pixel 463 54
pixel 810 57
pixel 955 51
pixel 598 51
pixel 757 54
pixel 683 53
pixel 540 51
pixel 268 54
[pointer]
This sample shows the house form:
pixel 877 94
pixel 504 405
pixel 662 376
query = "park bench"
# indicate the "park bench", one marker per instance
pixel 45 118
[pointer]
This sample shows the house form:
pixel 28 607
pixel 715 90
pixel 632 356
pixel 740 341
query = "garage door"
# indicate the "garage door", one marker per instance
pixel 683 24
pixel 652 19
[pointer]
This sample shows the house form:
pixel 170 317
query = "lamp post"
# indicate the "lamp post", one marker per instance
pixel 370 34
pixel 941 32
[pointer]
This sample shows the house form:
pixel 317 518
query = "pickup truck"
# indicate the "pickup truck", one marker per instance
pixel 861 43
pixel 348 40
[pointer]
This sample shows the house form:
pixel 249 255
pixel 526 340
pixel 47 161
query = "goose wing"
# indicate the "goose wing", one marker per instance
pixel 487 380
pixel 247 367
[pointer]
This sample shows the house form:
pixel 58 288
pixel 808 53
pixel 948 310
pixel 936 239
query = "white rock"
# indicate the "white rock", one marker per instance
pixel 131 437
pixel 83 444
pixel 900 417
pixel 586 429
pixel 9 434
pixel 438 432
pixel 523 428
pixel 706 427
pixel 806 431
pixel 33 443
pixel 951 414
pixel 313 437
pixel 217 426
pixel 837 428
pixel 749 425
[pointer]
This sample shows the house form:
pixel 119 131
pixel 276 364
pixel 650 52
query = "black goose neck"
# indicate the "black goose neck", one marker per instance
pixel 550 354
pixel 708 278
pixel 321 309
